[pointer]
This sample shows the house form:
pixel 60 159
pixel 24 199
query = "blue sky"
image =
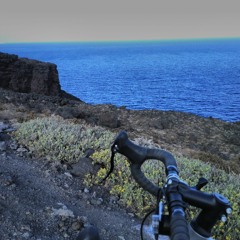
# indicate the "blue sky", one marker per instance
pixel 100 20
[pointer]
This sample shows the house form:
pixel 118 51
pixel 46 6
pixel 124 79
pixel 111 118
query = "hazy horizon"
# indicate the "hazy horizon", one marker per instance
pixel 127 40
pixel 111 20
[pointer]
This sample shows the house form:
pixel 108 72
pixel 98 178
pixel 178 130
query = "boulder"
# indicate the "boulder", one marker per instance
pixel 28 76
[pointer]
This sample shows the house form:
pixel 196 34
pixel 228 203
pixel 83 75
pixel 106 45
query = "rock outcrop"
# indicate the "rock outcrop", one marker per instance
pixel 28 76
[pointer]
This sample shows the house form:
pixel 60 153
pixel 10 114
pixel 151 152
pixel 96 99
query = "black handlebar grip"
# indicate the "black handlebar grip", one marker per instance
pixel 141 179
pixel 179 227
pixel 137 154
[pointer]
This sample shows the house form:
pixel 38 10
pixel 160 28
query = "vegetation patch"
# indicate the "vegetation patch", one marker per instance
pixel 64 140
pixel 61 140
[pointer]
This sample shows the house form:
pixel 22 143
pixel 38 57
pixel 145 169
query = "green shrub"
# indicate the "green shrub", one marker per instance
pixel 63 140
pixel 59 139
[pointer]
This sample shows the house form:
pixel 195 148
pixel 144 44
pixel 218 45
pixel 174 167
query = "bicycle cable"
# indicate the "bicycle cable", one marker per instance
pixel 113 151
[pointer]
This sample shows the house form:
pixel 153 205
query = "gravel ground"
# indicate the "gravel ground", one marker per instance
pixel 42 200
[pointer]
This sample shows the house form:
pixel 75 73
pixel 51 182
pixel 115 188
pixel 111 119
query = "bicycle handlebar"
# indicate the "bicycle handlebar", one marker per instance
pixel 138 155
pixel 177 192
pixel 179 227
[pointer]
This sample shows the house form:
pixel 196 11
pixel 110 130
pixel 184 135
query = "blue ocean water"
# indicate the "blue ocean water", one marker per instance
pixel 197 76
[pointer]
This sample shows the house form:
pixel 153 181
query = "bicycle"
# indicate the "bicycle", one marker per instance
pixel 176 194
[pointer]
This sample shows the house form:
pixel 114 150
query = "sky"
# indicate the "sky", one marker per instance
pixel 107 20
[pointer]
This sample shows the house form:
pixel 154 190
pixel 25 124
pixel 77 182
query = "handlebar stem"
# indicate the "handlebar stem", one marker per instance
pixel 213 207
pixel 176 208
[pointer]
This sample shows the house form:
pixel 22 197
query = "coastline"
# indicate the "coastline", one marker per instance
pixel 195 77
pixel 184 134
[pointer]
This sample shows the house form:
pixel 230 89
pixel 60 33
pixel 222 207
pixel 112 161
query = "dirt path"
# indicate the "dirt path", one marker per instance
pixel 41 201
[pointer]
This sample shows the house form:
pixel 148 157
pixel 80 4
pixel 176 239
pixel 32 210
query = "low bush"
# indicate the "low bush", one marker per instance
pixel 61 140
pixel 64 140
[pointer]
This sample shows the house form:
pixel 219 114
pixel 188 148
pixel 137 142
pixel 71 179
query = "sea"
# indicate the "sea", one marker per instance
pixel 200 76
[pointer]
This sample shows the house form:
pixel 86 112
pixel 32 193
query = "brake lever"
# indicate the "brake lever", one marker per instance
pixel 114 150
pixel 201 183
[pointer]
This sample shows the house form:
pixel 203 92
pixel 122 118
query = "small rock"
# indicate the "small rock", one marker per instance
pixel 68 174
pixel 65 235
pixel 64 212
pixel 14 146
pixel 121 238
pixel 104 231
pixel 96 201
pixel 86 190
pixel 7 179
pixel 4 137
pixel 109 118
pixel 3 156
pixel 83 219
pixel 89 152
pixel 64 102
pixel 3 146
pixel 26 228
pixel 131 214
pixel 66 186
pixel 82 167
pixel 21 149
pixel 77 225
pixel 94 195
pixel 47 173
pixel 9 129
pixel 61 224
pixel 113 199
pixel 26 235
pixel 3 126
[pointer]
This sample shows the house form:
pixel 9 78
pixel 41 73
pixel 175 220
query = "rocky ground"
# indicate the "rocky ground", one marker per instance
pixel 43 200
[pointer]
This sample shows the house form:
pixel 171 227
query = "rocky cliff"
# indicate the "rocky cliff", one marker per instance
pixel 28 76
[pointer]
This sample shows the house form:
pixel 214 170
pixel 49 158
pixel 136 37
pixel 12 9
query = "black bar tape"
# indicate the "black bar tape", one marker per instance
pixel 179 227
pixel 164 156
pixel 140 178
pixel 137 154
